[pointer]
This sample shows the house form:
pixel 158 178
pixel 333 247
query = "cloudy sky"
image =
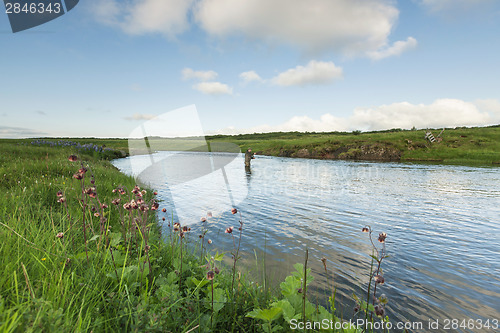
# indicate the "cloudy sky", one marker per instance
pixel 108 66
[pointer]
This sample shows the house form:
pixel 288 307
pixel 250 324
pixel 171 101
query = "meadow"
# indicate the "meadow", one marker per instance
pixel 82 250
pixel 468 146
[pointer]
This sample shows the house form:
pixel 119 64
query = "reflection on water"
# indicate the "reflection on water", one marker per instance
pixel 442 226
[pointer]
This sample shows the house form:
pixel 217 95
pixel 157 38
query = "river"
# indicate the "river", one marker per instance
pixel 442 224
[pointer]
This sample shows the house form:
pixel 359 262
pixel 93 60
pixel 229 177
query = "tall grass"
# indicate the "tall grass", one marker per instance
pixel 81 250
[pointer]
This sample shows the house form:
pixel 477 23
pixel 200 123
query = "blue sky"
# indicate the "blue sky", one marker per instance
pixel 252 66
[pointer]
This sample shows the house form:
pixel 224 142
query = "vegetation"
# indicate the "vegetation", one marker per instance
pixel 82 250
pixel 462 145
pixel 479 145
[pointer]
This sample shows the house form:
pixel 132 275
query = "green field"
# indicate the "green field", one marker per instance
pixel 467 146
pixel 73 261
pixel 479 145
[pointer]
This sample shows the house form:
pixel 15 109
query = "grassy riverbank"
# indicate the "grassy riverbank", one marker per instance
pixel 81 250
pixel 478 145
pixel 466 146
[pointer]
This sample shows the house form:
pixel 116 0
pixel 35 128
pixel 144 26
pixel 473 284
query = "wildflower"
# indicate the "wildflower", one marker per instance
pixel 60 235
pixel 185 229
pixel 146 248
pixel 299 290
pixel 365 229
pixel 122 191
pixel 381 237
pixel 154 206
pixel 323 260
pixel 234 211
pixel 209 214
pixel 229 230
pixel 82 170
pixel 203 219
pixel 181 234
pixel 216 270
pixel 43 259
pixel 114 190
pixel 144 208
pixel 379 310
pixel 104 206
pixel 379 279
pixel 72 158
pixel 164 210
pixel 200 236
pixel 78 175
pixel 210 275
pixel 163 219
pixel 134 204
pixel 116 201
pixel 155 193
pixel 177 226
pixel 127 206
pixel 59 194
pixel 383 299
pixel 140 201
pixel 61 200
pixel 97 214
pixel 93 195
pixel 356 308
pixel 209 241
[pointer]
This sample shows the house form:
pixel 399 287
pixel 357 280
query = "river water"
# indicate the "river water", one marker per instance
pixel 442 225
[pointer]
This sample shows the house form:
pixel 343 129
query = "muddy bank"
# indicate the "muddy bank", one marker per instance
pixel 372 152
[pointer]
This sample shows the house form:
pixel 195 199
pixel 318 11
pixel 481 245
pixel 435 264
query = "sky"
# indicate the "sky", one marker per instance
pixel 108 66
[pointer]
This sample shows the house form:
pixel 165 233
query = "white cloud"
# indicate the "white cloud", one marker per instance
pixel 139 116
pixel 352 27
pixel 213 88
pixel 315 72
pixel 313 26
pixel 395 50
pixel 441 113
pixel 250 76
pixel 138 17
pixel 490 105
pixel 8 132
pixel 188 73
pixel 106 11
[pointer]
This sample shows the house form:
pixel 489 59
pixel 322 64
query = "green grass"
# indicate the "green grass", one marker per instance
pixel 479 145
pixel 466 146
pixel 117 271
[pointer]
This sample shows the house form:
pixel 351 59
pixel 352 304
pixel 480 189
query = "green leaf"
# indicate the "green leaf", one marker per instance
pixel 219 300
pixel 265 314
pixel 116 238
pixel 288 310
pixel 289 286
pixel 93 238
pixel 198 283
pixel 219 257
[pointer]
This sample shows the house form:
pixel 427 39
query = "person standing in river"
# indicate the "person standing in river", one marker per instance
pixel 248 157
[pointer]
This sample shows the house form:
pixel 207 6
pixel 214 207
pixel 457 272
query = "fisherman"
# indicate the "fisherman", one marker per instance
pixel 248 157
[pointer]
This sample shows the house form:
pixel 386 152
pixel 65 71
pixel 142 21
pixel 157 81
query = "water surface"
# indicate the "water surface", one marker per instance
pixel 442 225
